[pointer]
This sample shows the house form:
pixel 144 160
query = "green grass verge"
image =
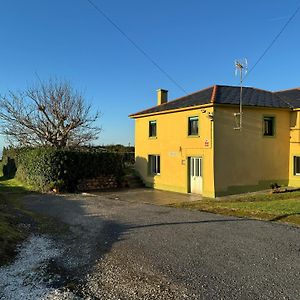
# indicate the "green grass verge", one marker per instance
pixel 283 207
pixel 13 219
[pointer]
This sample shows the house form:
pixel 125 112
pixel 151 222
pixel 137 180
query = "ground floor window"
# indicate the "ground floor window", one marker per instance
pixel 296 165
pixel 154 164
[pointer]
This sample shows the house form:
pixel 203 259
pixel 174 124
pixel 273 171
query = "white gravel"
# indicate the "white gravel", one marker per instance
pixel 26 278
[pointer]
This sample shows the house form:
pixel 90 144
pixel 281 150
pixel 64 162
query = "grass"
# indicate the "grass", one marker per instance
pixel 282 207
pixel 12 218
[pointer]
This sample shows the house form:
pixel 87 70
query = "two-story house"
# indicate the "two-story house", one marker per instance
pixel 192 145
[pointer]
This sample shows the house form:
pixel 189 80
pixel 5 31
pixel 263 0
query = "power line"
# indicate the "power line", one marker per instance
pixel 273 41
pixel 139 48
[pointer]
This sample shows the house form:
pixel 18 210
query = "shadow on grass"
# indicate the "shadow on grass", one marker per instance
pixel 12 186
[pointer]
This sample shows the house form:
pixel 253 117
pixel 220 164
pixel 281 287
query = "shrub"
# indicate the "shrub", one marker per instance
pixel 9 168
pixel 45 167
pixel 57 185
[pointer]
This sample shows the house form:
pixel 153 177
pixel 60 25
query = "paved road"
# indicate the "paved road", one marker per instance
pixel 127 250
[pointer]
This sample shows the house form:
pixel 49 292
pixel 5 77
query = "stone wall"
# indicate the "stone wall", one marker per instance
pixel 98 183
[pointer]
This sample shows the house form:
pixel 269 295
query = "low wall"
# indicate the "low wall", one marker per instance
pixel 98 183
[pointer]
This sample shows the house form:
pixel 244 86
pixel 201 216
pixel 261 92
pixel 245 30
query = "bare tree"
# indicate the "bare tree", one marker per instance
pixel 51 113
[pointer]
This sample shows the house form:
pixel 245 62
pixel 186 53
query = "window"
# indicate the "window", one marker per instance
pixel 269 126
pixel 152 129
pixel 154 164
pixel 193 126
pixel 297 165
pixel 197 167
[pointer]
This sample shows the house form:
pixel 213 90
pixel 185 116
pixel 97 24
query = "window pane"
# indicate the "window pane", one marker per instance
pixel 152 128
pixel 200 166
pixel 150 164
pixel 154 164
pixel 265 127
pixel 192 166
pixel 197 169
pixel 193 126
pixel 297 165
pixel 268 126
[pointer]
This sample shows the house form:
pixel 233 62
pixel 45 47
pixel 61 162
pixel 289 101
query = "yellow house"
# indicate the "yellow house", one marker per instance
pixel 192 144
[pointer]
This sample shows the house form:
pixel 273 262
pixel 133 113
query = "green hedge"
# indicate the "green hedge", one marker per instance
pixel 46 168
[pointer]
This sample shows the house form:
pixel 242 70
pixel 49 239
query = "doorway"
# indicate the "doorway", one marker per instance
pixel 195 175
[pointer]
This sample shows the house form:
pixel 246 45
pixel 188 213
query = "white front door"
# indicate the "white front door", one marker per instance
pixel 195 169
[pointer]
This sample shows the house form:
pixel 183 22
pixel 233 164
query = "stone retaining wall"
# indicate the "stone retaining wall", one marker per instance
pixel 98 183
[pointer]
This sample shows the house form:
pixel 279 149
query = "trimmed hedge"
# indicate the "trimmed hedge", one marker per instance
pixel 47 168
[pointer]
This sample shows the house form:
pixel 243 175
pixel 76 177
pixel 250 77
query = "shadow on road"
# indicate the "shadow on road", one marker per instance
pixel 86 241
pixel 186 223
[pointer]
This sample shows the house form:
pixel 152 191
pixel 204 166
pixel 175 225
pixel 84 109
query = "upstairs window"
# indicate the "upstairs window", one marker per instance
pixel 269 126
pixel 297 165
pixel 154 164
pixel 193 126
pixel 152 129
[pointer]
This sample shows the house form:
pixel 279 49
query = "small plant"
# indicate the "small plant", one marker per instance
pixel 57 186
pixel 275 187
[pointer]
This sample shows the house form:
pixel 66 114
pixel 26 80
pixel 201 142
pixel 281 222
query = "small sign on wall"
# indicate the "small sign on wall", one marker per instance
pixel 206 143
pixel 173 154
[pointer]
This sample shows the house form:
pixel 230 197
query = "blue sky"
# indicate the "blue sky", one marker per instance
pixel 196 42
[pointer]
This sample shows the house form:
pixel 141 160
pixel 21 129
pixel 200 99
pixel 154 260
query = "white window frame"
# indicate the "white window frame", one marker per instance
pixel 190 120
pixel 295 171
pixel 150 133
pixel 154 164
pixel 268 119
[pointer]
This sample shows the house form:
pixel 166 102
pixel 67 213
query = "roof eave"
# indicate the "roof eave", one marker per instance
pixel 135 116
pixel 252 106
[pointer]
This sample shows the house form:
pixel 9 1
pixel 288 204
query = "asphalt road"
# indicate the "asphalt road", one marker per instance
pixel 119 249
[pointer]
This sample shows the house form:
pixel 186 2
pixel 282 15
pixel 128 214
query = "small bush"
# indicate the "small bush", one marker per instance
pixel 274 186
pixel 9 168
pixel 57 186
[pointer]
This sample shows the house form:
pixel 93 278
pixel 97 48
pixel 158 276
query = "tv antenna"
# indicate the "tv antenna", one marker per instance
pixel 241 67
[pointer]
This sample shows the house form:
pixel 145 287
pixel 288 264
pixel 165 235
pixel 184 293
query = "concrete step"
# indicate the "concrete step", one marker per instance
pixel 133 181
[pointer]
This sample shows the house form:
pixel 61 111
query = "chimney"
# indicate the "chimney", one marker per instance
pixel 162 96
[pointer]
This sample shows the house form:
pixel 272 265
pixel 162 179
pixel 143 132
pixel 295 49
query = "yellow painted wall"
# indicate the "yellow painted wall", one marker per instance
pixel 294 180
pixel 174 147
pixel 246 160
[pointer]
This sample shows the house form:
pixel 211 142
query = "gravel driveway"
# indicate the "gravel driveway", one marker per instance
pixel 119 249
